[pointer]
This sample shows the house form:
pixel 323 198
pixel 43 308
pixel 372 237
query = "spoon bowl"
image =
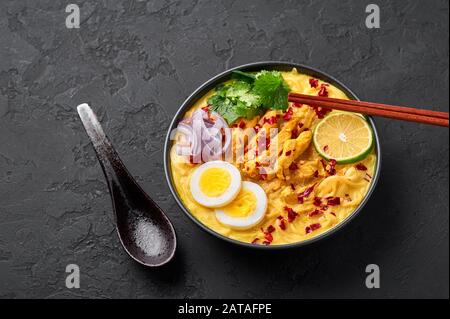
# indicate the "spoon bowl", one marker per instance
pixel 144 230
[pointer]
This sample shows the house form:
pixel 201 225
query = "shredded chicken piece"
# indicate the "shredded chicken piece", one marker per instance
pixel 260 159
pixel 292 149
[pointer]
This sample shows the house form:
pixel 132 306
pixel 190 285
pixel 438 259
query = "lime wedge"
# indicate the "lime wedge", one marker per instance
pixel 344 137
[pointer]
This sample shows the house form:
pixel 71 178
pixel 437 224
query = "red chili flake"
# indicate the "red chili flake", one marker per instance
pixel 270 229
pixel 293 166
pixel 241 124
pixel 315 213
pixel 325 148
pixel 295 104
pixel 291 214
pixel 314 83
pixel 334 214
pixel 191 159
pixel 333 201
pixel 312 228
pixel 262 174
pixel 288 153
pixel 205 108
pixel 305 193
pixel 293 187
pixel 321 111
pixel 294 133
pixel 257 164
pixel 234 125
pixel 222 132
pixel 288 115
pixel 332 170
pixel 323 90
pixel 254 241
pixel 270 120
pixel 256 128
pixel 268 237
pixel 267 142
pixel 282 224
pixel 316 174
pixel 332 164
pixel 317 201
pixel 361 167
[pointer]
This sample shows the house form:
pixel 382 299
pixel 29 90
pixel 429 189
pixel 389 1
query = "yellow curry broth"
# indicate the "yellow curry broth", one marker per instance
pixel 283 187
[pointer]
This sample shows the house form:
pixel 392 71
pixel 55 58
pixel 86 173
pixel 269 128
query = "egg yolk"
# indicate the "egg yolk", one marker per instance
pixel 214 181
pixel 242 206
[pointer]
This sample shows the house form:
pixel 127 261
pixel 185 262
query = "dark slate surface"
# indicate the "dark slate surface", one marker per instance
pixel 135 62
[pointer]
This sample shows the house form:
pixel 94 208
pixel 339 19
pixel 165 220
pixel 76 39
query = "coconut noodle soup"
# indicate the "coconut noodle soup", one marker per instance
pixel 253 167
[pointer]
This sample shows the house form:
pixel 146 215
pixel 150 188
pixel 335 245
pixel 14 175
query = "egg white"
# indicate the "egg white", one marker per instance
pixel 253 218
pixel 226 197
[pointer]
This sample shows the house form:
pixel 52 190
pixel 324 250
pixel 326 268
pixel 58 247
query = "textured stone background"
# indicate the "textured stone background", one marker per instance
pixel 135 62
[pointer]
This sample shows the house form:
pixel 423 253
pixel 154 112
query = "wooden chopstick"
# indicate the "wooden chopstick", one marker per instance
pixel 411 110
pixel 376 109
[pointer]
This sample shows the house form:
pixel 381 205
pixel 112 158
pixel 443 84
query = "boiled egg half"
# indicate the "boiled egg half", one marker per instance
pixel 246 210
pixel 215 184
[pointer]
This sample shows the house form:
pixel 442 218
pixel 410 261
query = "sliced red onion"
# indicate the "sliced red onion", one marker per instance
pixel 184 128
pixel 220 122
pixel 212 150
pixel 203 133
pixel 190 145
pixel 187 120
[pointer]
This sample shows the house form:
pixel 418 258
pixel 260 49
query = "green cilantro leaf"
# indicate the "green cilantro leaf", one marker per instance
pixel 249 95
pixel 224 107
pixel 243 76
pixel 272 89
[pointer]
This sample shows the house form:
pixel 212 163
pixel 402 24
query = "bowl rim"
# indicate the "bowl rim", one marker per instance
pixel 255 66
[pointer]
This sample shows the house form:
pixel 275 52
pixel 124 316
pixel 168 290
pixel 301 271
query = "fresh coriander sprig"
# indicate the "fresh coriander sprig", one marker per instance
pixel 249 95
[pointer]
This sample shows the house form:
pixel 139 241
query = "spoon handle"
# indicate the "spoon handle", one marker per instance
pixel 121 184
pixel 112 166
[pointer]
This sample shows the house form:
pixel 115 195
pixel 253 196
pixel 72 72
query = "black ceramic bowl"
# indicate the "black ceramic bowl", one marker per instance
pixel 257 66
